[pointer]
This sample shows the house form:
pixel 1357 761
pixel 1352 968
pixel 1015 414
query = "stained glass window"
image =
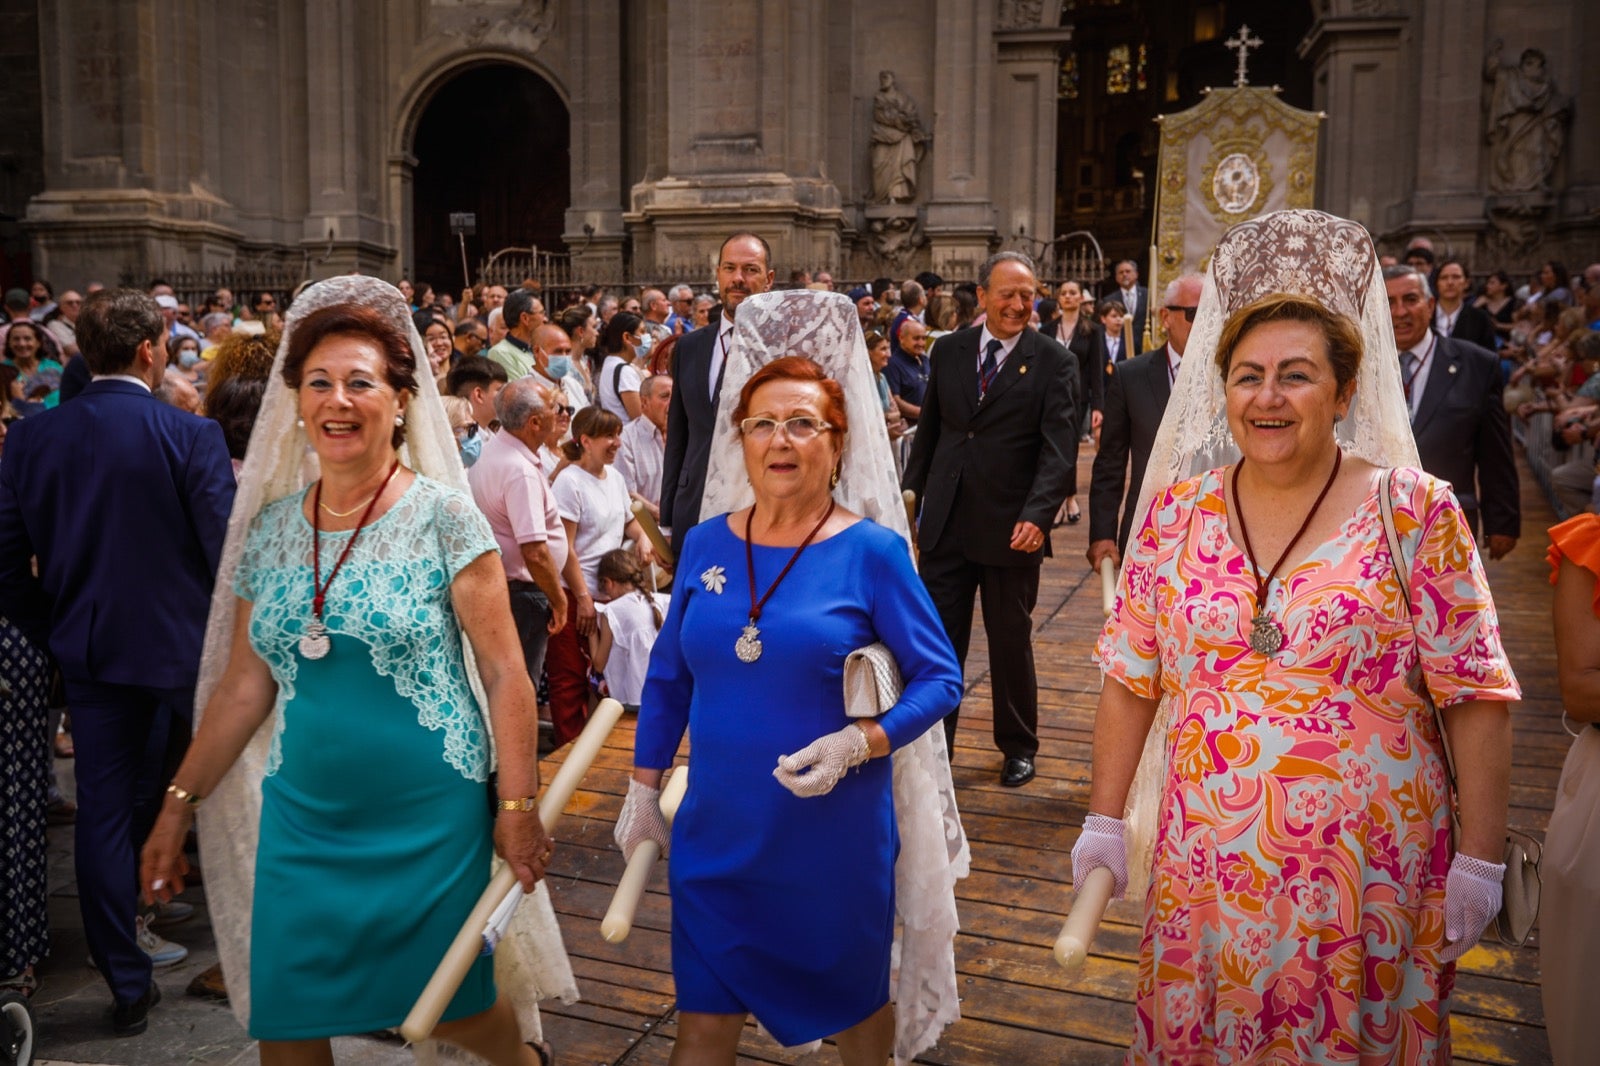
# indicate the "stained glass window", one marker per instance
pixel 1139 78
pixel 1068 87
pixel 1119 70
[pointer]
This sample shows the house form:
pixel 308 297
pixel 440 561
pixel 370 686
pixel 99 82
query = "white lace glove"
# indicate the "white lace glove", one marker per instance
pixel 1101 844
pixel 817 767
pixel 641 819
pixel 1471 900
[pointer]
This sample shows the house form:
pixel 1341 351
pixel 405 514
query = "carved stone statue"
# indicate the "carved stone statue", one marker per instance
pixel 1526 123
pixel 898 143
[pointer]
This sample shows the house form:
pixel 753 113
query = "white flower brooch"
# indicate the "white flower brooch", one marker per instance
pixel 713 579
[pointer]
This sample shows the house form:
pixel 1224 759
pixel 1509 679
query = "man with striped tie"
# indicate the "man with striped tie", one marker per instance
pixel 1457 412
pixel 991 463
pixel 744 266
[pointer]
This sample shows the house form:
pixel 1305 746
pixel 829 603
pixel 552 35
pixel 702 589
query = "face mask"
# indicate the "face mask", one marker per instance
pixel 471 448
pixel 188 357
pixel 560 366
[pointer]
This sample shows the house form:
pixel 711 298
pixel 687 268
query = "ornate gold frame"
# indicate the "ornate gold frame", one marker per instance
pixel 1238 120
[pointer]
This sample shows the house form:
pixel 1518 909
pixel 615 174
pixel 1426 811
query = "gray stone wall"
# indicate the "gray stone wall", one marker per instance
pixel 286 138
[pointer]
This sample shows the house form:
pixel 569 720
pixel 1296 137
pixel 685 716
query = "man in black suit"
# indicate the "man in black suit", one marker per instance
pixel 990 465
pixel 1457 414
pixel 1453 316
pixel 1135 300
pixel 744 266
pixel 1136 398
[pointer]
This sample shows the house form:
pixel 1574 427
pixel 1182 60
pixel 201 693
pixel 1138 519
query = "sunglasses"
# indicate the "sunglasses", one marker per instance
pixel 1188 312
pixel 563 409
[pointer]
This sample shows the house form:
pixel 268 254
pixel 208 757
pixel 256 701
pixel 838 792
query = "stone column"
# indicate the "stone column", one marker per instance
pixel 1448 200
pixel 126 181
pixel 961 220
pixel 594 228
pixel 1360 79
pixel 344 227
pixel 1022 132
pixel 745 112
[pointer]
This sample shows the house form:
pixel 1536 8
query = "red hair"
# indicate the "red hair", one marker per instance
pixel 797 368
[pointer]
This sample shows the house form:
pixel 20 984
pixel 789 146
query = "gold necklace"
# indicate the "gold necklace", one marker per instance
pixel 357 507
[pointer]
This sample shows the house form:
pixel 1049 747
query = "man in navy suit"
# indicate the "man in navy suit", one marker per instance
pixel 124 501
pixel 744 266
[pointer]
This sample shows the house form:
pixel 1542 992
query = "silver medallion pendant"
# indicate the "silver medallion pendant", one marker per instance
pixel 748 646
pixel 314 643
pixel 1266 635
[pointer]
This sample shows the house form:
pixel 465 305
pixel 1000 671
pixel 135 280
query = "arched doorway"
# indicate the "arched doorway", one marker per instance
pixel 495 141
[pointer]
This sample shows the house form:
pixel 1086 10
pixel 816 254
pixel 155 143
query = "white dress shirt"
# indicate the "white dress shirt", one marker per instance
pixel 1006 348
pixel 719 353
pixel 1419 383
pixel 141 382
pixel 640 454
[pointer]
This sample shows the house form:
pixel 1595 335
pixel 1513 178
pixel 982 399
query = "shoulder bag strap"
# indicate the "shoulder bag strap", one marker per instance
pixel 1403 572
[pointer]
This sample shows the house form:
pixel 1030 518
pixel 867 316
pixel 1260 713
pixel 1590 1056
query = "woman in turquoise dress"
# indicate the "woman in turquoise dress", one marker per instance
pixel 376 830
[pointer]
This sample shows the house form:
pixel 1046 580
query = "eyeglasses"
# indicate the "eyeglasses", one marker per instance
pixel 467 432
pixel 563 409
pixel 1188 312
pixel 800 428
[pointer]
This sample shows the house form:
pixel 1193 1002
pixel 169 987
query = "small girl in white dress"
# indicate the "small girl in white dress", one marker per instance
pixel 630 616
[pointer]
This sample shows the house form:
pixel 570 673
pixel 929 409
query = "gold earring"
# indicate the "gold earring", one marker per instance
pixel 833 482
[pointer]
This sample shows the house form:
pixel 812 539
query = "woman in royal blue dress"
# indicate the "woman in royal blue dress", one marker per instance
pixel 784 849
pixel 348 603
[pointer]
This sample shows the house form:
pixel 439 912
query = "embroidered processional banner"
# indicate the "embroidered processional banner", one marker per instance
pixel 1241 152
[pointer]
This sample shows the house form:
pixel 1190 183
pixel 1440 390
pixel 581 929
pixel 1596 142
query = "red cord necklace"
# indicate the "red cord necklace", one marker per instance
pixel 314 642
pixel 748 646
pixel 1266 632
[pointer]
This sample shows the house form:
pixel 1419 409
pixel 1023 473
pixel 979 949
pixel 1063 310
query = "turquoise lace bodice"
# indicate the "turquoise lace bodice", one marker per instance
pixel 392 594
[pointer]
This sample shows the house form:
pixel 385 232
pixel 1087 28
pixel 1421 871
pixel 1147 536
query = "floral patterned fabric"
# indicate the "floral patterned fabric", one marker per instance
pixel 1295 911
pixel 392 594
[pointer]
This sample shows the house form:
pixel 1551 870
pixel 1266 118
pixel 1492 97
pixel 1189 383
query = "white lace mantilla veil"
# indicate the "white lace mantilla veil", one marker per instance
pixel 531 963
pixel 1311 253
pixel 824 327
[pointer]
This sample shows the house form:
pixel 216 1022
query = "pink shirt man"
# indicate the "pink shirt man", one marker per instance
pixel 510 489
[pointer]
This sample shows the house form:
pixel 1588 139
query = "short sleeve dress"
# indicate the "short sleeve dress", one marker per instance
pixel 1296 906
pixel 376 830
pixel 784 907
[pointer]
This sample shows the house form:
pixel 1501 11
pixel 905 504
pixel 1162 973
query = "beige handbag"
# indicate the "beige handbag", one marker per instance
pixel 1519 895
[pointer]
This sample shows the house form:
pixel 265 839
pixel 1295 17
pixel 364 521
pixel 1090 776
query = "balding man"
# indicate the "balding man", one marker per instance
pixel 552 359
pixel 644 442
pixel 510 489
pixel 1136 398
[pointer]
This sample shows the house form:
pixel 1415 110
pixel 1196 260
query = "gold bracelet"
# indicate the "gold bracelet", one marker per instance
pixel 184 794
pixel 525 804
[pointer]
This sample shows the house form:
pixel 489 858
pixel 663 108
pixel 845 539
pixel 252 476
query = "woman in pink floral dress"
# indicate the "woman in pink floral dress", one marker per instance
pixel 1306 904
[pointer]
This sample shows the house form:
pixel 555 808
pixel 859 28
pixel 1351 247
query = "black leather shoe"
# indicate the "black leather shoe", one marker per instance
pixel 1018 771
pixel 132 1019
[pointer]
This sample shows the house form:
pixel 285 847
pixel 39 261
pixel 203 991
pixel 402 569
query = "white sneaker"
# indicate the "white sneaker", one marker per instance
pixel 162 952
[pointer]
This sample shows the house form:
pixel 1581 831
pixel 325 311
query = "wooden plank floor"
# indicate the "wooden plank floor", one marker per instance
pixel 1017 1005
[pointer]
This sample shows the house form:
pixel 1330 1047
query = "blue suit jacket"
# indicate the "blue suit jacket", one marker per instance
pixel 125 501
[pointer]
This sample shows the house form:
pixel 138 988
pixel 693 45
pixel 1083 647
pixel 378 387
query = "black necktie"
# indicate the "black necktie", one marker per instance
pixel 990 367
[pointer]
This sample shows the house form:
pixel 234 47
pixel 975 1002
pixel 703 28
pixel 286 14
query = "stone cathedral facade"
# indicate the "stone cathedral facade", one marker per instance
pixel 627 136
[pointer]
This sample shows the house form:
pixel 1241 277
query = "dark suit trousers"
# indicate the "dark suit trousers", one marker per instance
pixel 1008 595
pixel 129 740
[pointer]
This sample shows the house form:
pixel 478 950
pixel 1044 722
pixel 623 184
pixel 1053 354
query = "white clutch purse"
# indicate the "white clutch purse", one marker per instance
pixel 871 681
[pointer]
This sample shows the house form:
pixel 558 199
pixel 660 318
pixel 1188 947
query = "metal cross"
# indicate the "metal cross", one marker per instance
pixel 1242 42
